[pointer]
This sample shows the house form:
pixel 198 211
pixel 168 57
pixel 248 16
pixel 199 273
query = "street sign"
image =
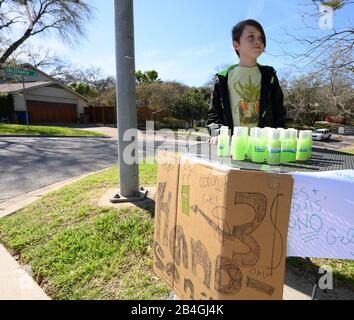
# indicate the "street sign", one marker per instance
pixel 22 72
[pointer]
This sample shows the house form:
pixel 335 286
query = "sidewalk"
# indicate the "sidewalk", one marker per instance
pixel 15 282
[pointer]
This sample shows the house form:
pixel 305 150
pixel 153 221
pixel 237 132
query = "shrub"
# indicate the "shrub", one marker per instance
pixel 6 105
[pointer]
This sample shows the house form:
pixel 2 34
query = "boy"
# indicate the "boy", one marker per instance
pixel 246 94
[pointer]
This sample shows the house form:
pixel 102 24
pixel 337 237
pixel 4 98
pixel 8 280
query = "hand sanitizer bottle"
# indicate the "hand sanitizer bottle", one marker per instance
pixel 274 147
pixel 259 147
pixel 293 145
pixel 238 144
pixel 245 137
pixel 309 137
pixel 224 142
pixel 285 146
pixel 250 142
pixel 304 146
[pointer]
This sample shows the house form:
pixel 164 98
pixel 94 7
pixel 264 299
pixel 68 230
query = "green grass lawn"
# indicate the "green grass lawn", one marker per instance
pixel 78 250
pixel 347 150
pixel 307 127
pixel 45 130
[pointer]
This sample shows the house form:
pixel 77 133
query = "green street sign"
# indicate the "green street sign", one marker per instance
pixel 10 70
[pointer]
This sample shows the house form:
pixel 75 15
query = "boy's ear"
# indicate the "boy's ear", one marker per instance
pixel 235 45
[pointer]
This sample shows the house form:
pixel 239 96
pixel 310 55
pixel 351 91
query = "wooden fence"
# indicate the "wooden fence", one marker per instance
pixel 104 115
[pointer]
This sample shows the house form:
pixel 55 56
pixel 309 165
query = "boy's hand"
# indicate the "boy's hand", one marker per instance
pixel 213 140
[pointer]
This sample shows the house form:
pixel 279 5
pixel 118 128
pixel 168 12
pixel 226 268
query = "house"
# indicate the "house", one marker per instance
pixel 47 100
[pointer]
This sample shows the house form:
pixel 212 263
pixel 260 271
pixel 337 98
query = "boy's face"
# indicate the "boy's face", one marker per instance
pixel 251 44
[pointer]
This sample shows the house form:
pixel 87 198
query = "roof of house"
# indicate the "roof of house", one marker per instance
pixel 18 87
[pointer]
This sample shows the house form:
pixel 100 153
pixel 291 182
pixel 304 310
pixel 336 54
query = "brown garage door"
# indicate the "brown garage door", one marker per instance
pixel 42 111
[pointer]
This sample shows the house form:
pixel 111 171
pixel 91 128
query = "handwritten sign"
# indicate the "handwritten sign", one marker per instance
pixel 322 215
pixel 221 233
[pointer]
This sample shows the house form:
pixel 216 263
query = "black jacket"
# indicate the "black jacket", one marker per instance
pixel 272 112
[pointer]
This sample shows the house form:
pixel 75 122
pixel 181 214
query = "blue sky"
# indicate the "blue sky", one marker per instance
pixel 188 40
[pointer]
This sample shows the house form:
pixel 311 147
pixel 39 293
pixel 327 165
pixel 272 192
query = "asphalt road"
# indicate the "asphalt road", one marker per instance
pixel 28 164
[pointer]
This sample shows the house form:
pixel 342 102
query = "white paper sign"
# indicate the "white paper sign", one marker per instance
pixel 322 215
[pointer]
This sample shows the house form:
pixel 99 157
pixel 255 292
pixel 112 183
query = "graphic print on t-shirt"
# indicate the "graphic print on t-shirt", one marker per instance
pixel 244 85
pixel 249 103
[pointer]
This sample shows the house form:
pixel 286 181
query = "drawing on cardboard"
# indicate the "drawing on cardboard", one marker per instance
pixel 273 264
pixel 178 246
pixel 163 207
pixel 200 256
pixel 260 286
pixel 159 253
pixel 188 284
pixel 172 271
pixel 233 282
pixel 222 235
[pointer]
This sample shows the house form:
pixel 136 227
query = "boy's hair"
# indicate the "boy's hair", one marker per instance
pixel 237 30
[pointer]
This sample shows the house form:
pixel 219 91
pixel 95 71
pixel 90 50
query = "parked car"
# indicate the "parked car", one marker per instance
pixel 321 134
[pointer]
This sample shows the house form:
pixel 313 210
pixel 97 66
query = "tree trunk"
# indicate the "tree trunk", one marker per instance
pixel 14 46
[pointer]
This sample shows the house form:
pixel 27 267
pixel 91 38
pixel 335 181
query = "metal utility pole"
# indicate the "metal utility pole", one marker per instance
pixel 126 103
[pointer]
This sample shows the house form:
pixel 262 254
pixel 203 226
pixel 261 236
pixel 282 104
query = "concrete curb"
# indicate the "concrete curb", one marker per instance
pixel 12 205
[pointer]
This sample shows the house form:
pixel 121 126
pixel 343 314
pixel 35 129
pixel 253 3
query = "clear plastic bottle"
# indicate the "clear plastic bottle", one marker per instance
pixel 304 145
pixel 266 132
pixel 250 142
pixel 293 144
pixel 238 144
pixel 280 131
pixel 259 147
pixel 223 149
pixel 309 137
pixel 273 147
pixel 245 137
pixel 285 146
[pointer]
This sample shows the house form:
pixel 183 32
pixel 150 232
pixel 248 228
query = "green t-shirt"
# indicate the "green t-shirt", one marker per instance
pixel 245 89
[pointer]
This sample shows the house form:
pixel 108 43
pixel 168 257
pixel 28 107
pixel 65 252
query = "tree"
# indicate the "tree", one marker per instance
pixel 159 96
pixel 7 105
pixel 147 76
pixel 190 107
pixel 302 100
pixel 318 46
pixel 339 90
pixel 84 89
pixel 65 18
pixel 100 89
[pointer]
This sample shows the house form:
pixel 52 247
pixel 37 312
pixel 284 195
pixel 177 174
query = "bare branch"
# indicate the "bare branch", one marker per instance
pixel 67 19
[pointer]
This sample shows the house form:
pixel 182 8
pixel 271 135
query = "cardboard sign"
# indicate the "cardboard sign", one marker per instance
pixel 226 233
pixel 322 220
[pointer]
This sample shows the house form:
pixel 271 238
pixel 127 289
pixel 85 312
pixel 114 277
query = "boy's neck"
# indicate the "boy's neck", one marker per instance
pixel 247 62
